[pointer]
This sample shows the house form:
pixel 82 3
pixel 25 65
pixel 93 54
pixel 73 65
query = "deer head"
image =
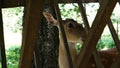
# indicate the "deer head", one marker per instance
pixel 74 31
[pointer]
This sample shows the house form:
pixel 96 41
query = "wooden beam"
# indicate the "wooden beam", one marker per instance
pixel 12 3
pixel 32 18
pixel 84 17
pixel 83 14
pixel 2 45
pixel 16 3
pixel 114 35
pixel 72 1
pixel 95 32
pixel 64 39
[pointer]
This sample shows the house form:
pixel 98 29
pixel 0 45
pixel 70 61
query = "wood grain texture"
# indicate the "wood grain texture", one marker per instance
pixel 95 32
pixel 33 14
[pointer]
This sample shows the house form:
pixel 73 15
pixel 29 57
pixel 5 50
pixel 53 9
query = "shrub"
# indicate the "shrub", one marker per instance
pixel 13 54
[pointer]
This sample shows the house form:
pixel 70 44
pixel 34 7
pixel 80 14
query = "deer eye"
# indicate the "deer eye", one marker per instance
pixel 70 25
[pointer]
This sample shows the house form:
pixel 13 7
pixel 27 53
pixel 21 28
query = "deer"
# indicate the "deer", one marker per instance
pixel 107 57
pixel 75 33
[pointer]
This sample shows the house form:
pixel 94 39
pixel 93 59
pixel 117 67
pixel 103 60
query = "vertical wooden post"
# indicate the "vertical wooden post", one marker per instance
pixel 33 14
pixel 2 45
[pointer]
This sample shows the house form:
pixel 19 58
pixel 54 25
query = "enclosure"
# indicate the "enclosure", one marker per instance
pixel 40 40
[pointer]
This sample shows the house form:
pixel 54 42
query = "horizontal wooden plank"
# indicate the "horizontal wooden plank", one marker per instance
pixel 72 1
pixel 16 3
pixel 12 3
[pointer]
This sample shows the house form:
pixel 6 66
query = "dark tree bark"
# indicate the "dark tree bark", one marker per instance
pixel 48 43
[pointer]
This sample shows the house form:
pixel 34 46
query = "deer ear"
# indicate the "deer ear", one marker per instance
pixel 50 18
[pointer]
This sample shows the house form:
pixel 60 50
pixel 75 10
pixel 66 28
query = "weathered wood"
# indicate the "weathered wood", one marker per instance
pixel 37 57
pixel 63 34
pixel 113 32
pixel 95 32
pixel 2 45
pixel 83 14
pixel 12 3
pixel 114 35
pixel 84 17
pixel 33 13
pixel 16 3
pixel 117 43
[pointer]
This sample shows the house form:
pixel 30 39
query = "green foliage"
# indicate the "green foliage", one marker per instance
pixel 70 11
pixel 105 43
pixel 78 47
pixel 12 18
pixel 116 14
pixel 115 18
pixel 12 56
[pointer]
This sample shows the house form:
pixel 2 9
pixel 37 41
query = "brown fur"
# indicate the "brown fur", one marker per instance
pixel 76 33
pixel 107 58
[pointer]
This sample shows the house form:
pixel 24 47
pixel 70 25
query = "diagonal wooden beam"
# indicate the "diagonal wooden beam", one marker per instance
pixel 84 17
pixel 2 45
pixel 117 43
pixel 83 14
pixel 65 43
pixel 33 14
pixel 95 32
pixel 113 32
pixel 114 35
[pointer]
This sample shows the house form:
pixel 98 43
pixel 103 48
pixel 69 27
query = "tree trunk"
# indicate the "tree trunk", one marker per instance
pixel 48 43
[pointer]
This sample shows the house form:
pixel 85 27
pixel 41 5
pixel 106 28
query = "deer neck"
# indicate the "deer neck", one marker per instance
pixel 62 54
